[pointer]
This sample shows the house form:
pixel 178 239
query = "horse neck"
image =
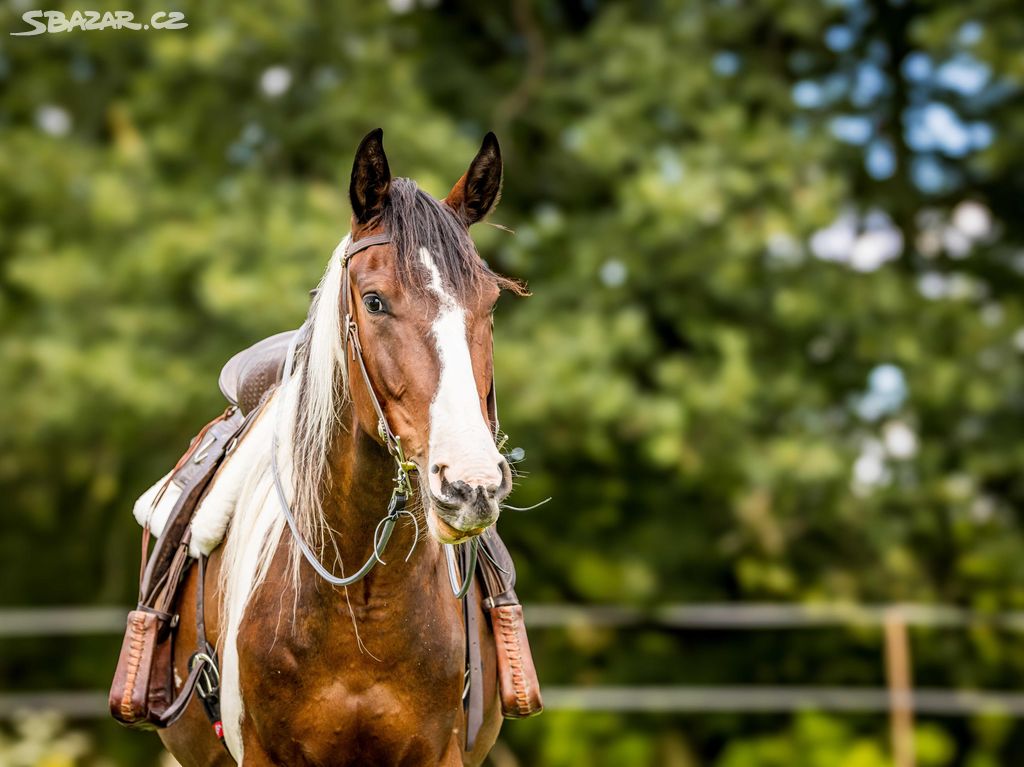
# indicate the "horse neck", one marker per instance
pixel 361 479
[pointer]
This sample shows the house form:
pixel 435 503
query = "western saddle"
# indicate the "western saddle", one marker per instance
pixel 144 693
pixel 252 373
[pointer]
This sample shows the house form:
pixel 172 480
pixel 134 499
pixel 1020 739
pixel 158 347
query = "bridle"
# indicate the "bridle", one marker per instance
pixel 403 467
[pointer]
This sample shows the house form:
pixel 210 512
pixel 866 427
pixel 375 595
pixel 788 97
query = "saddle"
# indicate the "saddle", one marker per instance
pixel 252 373
pixel 143 690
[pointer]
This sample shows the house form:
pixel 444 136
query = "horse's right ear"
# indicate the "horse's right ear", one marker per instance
pixel 371 178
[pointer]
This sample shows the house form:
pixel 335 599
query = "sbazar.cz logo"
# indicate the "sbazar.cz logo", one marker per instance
pixel 42 22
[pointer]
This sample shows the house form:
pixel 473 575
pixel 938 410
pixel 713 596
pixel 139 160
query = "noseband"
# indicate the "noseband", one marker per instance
pixel 403 467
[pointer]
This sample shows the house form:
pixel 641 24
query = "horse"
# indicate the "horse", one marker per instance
pixel 397 355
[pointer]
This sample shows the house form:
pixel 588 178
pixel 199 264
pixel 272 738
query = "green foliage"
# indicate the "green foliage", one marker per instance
pixel 819 741
pixel 726 399
pixel 42 740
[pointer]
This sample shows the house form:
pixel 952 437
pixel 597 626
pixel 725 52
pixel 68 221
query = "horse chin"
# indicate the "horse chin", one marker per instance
pixel 445 533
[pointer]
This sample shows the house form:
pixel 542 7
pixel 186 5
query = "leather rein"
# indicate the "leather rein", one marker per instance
pixel 403 467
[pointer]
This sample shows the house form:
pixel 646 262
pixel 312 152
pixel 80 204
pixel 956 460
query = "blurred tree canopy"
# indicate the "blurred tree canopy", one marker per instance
pixel 774 351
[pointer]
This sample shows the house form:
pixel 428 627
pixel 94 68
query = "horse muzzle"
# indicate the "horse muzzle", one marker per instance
pixel 465 509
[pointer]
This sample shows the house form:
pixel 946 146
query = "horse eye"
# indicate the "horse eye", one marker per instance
pixel 373 303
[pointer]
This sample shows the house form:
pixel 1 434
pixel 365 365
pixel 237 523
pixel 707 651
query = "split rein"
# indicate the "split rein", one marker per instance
pixel 403 467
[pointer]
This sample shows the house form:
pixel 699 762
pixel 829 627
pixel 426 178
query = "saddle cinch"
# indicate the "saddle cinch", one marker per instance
pixel 144 695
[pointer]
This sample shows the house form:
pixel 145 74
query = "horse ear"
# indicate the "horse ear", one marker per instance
pixel 477 192
pixel 371 178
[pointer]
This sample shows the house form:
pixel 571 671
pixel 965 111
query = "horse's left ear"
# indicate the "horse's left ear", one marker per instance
pixel 477 192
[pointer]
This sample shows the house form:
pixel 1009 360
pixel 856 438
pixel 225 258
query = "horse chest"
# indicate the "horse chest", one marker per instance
pixel 313 696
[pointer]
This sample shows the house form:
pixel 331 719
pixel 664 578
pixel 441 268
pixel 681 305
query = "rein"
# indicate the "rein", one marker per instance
pixel 403 467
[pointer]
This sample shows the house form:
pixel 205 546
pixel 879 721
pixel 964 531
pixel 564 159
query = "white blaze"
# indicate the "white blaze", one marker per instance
pixel 459 439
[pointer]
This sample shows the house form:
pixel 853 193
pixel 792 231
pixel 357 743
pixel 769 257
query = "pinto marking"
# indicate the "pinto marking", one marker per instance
pixel 460 441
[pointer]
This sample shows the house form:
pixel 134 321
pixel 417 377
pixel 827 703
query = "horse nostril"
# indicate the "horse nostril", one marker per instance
pixel 458 490
pixel 502 490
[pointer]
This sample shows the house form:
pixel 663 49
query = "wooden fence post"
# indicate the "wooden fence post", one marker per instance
pixel 898 676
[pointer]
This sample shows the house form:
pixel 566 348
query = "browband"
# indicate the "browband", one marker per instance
pixel 355 246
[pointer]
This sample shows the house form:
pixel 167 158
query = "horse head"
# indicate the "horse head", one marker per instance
pixel 422 301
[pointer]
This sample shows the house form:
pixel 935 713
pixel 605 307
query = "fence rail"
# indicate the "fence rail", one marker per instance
pixel 768 616
pixel 64 621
